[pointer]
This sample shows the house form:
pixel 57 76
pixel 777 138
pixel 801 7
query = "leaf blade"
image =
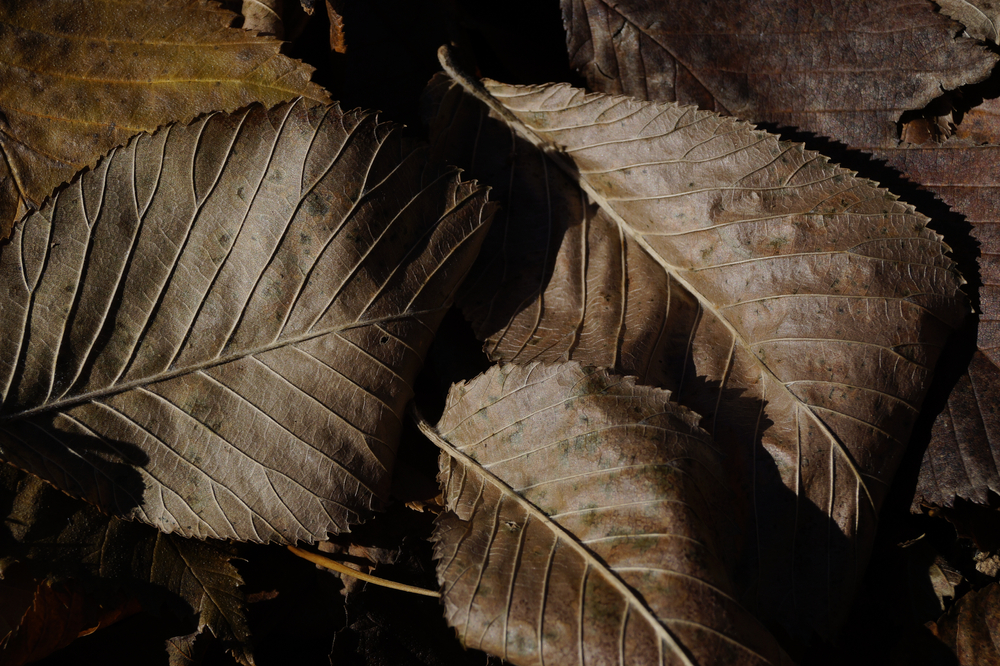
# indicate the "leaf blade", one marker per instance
pixel 82 79
pixel 219 387
pixel 589 466
pixel 780 255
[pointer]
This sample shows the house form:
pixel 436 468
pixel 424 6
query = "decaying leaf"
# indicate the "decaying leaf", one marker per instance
pixel 586 524
pixel 264 17
pixel 845 69
pixel 961 459
pixel 71 539
pixel 858 107
pixel 556 277
pixel 815 307
pixel 81 78
pixel 972 627
pixel 216 330
pixel 338 39
pixel 932 580
pixel 183 650
pixel 980 17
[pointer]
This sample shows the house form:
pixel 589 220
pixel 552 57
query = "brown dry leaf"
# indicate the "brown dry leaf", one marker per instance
pixel 61 536
pixel 845 69
pixel 216 330
pixel 961 460
pixel 798 309
pixel 338 38
pixel 981 123
pixel 931 579
pixel 184 650
pixel 264 17
pixel 972 627
pixel 80 78
pixel 586 524
pixel 550 282
pixel 980 17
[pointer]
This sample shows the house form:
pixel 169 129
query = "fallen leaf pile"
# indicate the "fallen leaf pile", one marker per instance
pixel 664 333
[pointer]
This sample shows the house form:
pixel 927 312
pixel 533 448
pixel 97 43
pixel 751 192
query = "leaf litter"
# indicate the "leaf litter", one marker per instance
pixel 589 255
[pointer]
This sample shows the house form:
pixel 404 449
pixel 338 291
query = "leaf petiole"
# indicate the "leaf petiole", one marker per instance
pixel 344 569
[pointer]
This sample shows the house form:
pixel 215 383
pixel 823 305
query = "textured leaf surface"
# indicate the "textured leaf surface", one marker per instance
pixel 556 277
pixel 217 328
pixel 980 17
pixel 961 172
pixel 961 459
pixel 585 525
pixel 264 17
pixel 844 69
pixel 815 308
pixel 972 627
pixel 79 78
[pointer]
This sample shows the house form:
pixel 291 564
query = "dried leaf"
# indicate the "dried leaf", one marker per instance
pixel 264 17
pixel 585 525
pixel 980 17
pixel 782 289
pixel 846 69
pixel 183 650
pixel 338 39
pixel 216 330
pixel 960 460
pixel 932 579
pixel 972 627
pixel 81 78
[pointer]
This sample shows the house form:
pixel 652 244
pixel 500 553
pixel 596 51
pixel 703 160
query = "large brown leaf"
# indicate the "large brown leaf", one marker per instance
pixel 845 69
pixel 586 524
pixel 216 329
pixel 550 282
pixel 806 310
pixel 960 460
pixel 79 78
pixel 962 457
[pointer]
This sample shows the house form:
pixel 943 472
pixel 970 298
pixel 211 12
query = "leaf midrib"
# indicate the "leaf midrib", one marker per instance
pixel 210 363
pixel 480 92
pixel 633 599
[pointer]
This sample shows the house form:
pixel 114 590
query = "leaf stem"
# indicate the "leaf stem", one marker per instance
pixel 348 571
pixel 475 87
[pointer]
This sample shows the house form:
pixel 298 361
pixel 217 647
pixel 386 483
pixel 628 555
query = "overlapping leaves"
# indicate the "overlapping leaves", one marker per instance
pixel 79 78
pixel 586 524
pixel 844 40
pixel 216 330
pixel 757 261
pixel 101 556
